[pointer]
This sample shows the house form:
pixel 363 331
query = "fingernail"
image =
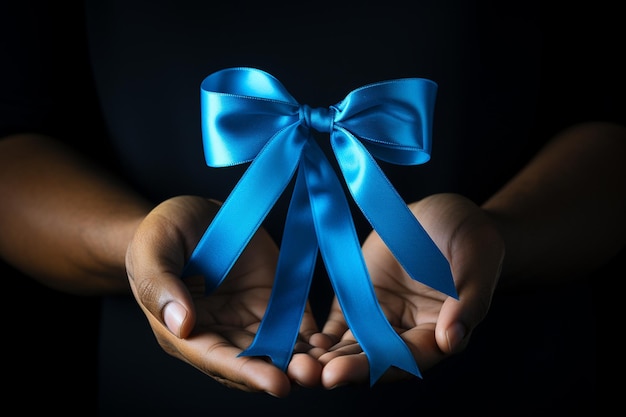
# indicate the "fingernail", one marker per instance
pixel 455 334
pixel 174 314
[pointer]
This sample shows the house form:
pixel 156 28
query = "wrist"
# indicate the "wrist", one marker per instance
pixel 105 262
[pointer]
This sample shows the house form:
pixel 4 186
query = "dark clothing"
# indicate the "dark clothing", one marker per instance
pixel 499 84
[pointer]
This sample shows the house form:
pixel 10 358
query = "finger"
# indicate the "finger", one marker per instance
pixel 305 370
pixel 334 328
pixel 308 327
pixel 347 364
pixel 458 318
pixel 344 370
pixel 476 253
pixel 156 256
pixel 220 360
pixel 216 354
pixel 354 370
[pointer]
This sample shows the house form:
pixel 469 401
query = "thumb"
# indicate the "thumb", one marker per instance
pixel 155 259
pixel 476 281
pixel 475 250
pixel 157 288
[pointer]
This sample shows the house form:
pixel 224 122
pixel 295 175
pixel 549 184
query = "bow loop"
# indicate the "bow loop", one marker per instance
pixel 236 128
pixel 241 111
pixel 249 82
pixel 393 119
pixel 247 115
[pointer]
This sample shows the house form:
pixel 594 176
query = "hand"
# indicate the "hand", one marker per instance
pixel 208 332
pixel 433 325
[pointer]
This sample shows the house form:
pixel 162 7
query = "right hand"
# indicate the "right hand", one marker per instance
pixel 209 332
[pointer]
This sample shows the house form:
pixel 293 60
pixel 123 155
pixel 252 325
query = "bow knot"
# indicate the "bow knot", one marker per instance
pixel 248 115
pixel 319 118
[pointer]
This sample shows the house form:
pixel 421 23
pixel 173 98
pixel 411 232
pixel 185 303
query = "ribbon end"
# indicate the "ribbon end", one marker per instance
pixel 280 359
pixel 449 289
pixel 437 275
pixel 377 371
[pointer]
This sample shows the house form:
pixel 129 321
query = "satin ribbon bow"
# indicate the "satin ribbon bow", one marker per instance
pixel 248 115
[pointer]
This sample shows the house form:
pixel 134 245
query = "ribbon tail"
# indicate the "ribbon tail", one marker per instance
pixel 341 252
pixel 277 334
pixel 390 216
pixel 246 207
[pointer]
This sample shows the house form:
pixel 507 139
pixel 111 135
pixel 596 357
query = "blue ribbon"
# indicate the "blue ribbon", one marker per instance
pixel 248 116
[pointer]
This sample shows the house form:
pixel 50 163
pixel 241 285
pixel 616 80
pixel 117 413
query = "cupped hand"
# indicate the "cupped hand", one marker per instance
pixel 209 332
pixel 433 325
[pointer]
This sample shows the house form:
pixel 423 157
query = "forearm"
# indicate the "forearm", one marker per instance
pixel 64 222
pixel 563 215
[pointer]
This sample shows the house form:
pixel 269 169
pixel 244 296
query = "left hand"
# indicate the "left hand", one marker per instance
pixel 433 325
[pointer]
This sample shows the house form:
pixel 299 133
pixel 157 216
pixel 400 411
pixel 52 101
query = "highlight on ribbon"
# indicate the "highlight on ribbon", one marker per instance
pixel 249 116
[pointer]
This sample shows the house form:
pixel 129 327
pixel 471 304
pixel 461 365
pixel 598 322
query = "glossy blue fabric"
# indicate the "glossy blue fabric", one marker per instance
pixel 249 116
